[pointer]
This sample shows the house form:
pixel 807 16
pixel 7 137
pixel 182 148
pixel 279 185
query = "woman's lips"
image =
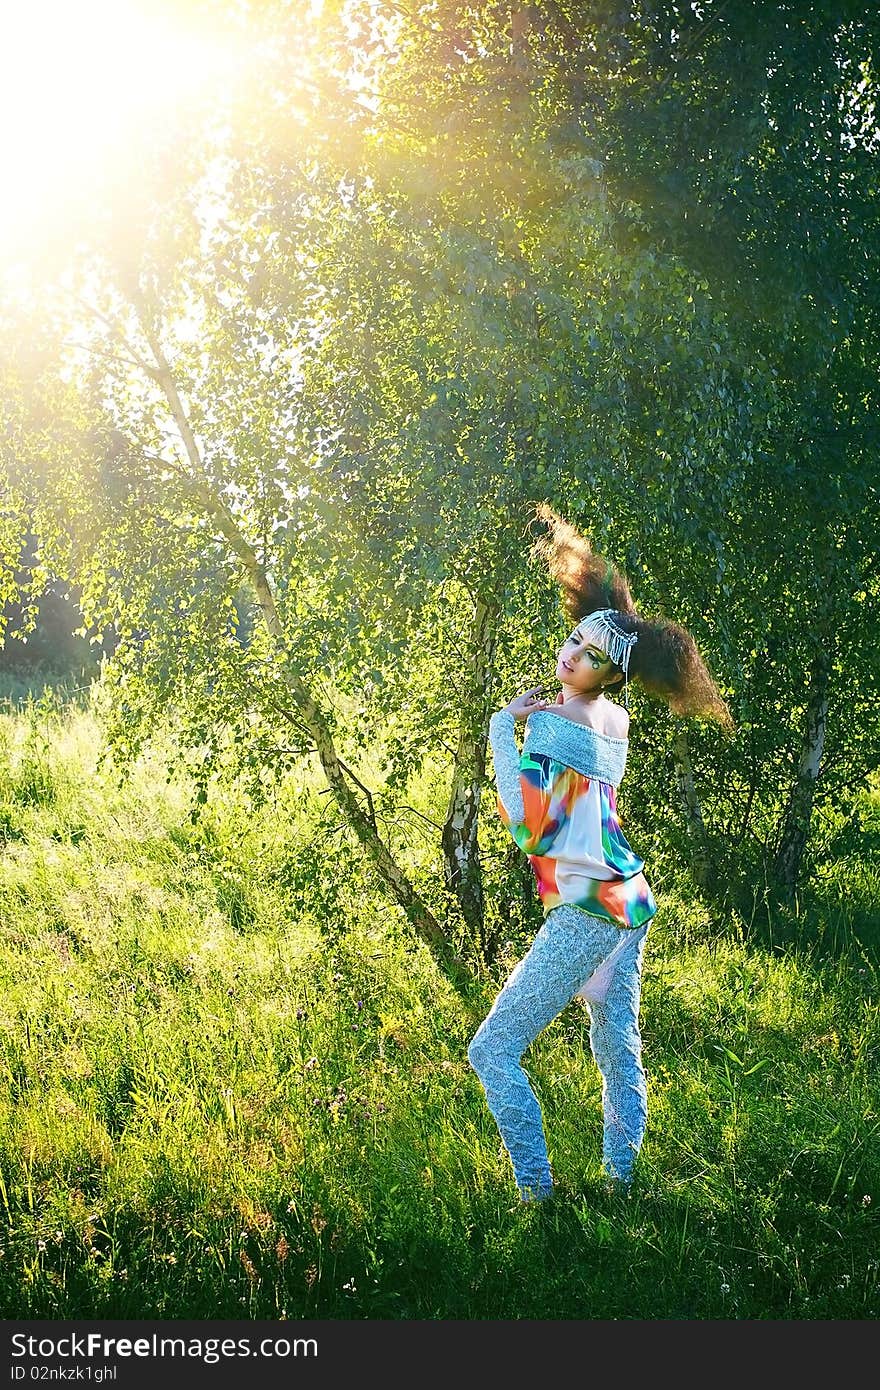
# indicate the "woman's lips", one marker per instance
pixel 566 665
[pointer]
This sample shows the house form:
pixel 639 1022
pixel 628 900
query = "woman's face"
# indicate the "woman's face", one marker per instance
pixel 583 667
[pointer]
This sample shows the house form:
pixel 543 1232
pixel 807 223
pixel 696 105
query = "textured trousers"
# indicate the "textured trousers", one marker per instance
pixel 572 954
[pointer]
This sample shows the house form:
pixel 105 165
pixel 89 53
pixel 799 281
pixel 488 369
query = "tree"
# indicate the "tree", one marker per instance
pixel 330 354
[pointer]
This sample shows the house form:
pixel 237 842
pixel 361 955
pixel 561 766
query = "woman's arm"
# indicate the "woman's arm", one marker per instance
pixel 506 755
pixel 534 794
pixel 505 752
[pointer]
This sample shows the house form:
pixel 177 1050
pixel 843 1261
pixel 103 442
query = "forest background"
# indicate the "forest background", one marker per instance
pixel 351 289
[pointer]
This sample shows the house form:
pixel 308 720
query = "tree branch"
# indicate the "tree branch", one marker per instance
pixel 360 784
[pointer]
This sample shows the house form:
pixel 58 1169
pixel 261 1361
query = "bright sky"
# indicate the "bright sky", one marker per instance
pixel 78 78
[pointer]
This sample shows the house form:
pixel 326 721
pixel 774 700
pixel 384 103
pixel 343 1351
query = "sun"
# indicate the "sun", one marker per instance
pixel 80 84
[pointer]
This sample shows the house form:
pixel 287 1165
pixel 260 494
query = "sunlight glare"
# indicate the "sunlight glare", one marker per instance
pixel 80 85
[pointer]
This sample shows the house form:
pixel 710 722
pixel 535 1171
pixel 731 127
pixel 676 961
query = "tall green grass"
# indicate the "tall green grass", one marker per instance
pixel 234 1085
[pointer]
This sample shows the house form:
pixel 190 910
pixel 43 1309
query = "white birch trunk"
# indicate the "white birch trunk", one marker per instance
pixel 798 813
pixel 461 864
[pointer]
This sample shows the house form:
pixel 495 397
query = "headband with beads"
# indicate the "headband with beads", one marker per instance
pixel 604 631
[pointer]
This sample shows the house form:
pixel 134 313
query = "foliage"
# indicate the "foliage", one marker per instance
pixel 438 264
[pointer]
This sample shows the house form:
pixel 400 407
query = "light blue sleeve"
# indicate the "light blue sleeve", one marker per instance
pixel 506 757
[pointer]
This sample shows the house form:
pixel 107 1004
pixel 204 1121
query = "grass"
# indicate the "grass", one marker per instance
pixel 234 1086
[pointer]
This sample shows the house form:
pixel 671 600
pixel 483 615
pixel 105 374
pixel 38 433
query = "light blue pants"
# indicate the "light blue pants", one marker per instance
pixel 573 953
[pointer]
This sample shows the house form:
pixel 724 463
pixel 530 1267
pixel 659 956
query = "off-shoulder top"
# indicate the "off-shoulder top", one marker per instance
pixel 558 800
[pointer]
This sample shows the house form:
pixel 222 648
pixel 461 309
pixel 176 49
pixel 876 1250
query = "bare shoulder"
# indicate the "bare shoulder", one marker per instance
pixel 616 721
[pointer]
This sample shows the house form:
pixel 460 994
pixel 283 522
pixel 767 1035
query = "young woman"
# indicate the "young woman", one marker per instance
pixel 557 799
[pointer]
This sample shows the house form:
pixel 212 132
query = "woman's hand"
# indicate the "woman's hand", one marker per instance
pixel 525 704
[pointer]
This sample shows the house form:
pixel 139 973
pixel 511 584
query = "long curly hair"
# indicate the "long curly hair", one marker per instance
pixel 665 660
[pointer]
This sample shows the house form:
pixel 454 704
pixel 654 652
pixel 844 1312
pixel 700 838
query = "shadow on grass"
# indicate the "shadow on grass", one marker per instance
pixel 186 1252
pixel 23 689
pixel 834 916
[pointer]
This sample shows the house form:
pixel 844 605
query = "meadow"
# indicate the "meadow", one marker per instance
pixel 234 1084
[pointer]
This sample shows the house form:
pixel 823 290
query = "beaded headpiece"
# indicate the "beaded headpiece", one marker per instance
pixel 602 628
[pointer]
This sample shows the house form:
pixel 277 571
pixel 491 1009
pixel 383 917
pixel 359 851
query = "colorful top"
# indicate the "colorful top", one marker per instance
pixel 558 800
